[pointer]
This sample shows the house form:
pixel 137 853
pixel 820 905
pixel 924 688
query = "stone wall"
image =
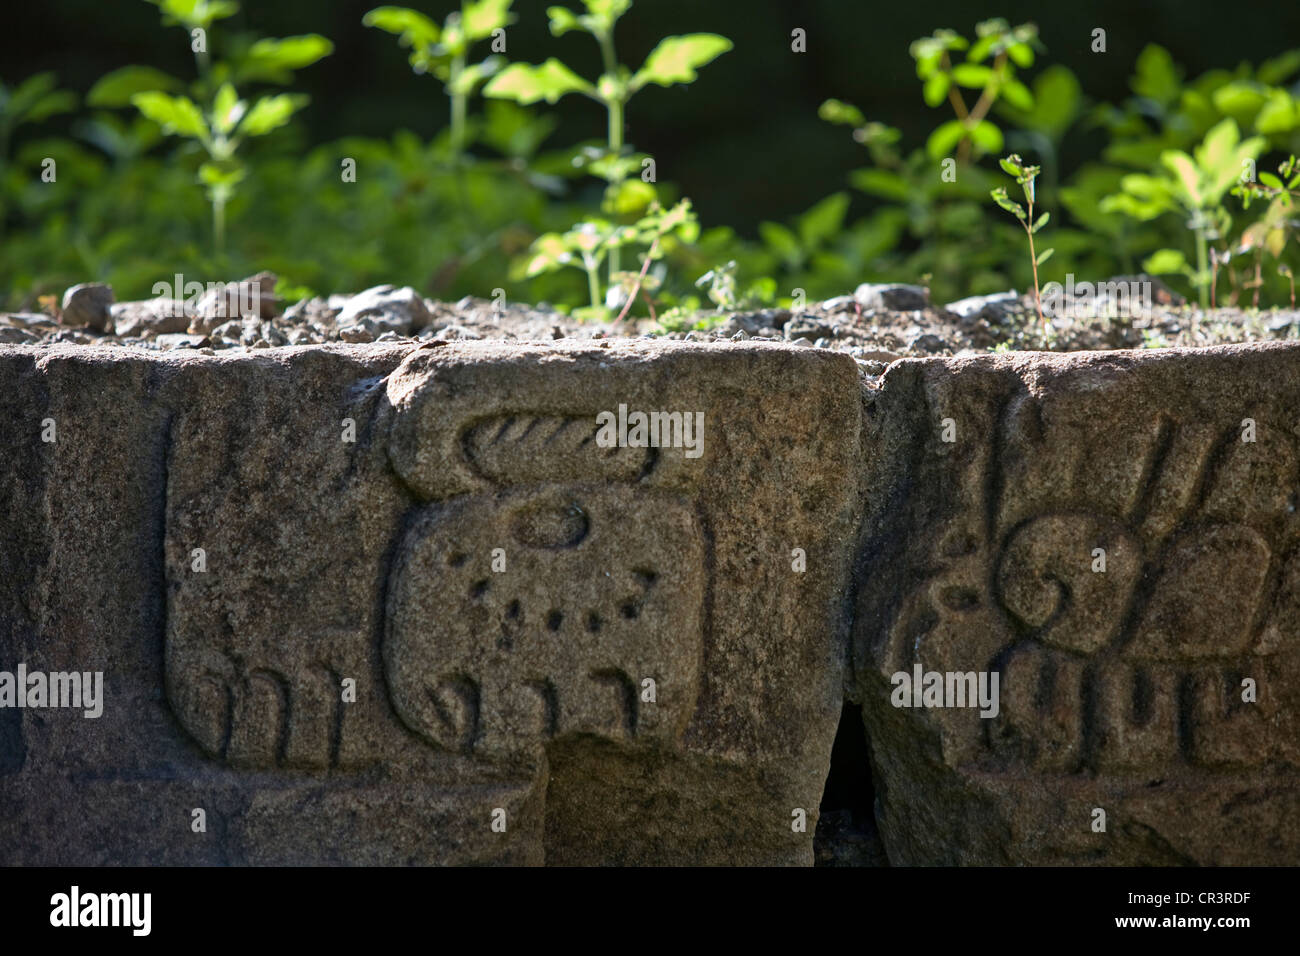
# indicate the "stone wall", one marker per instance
pixel 377 604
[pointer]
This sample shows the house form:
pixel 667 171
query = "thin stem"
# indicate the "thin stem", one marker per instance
pixel 458 108
pixel 645 267
pixel 616 149
pixel 593 281
pixel 1202 267
pixel 1033 257
pixel 219 223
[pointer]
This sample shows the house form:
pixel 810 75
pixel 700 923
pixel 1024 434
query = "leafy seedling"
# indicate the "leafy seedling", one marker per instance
pixel 989 70
pixel 1195 186
pixel 589 244
pixel 674 60
pixel 224 121
pixel 444 51
pixel 1025 175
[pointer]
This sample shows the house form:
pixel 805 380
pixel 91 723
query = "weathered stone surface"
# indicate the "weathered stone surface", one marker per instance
pixel 235 542
pixel 1120 690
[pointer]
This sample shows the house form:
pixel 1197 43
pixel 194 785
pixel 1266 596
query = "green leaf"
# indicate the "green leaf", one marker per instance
pixel 1279 115
pixel 1271 181
pixel 945 139
pixel 1009 167
pixel 412 27
pixel 987 137
pixel 845 114
pixel 1241 100
pixel 271 112
pixel 481 17
pixel 1280 68
pixel 1185 169
pixel 1018 95
pixel 1002 199
pixel 628 198
pixel 676 59
pixel 1043 256
pixel 1156 76
pixel 936 88
pixel 1022 55
pixel 972 75
pixel 526 84
pixel 116 89
pixel 563 20
pixel 1166 261
pixel 227 109
pixel 880 182
pixel 782 242
pixel 36 99
pixel 823 220
pixel 1042 221
pixel 175 114
pixel 195 13
pixel 212 174
pixel 274 60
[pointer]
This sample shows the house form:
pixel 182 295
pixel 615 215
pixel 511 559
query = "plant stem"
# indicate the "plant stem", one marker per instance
pixel 1033 258
pixel 645 267
pixel 1202 267
pixel 219 224
pixel 615 133
pixel 458 108
pixel 593 283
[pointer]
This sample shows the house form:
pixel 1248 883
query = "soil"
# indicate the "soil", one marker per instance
pixel 862 324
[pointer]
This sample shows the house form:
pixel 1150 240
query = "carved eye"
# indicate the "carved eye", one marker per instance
pixel 552 525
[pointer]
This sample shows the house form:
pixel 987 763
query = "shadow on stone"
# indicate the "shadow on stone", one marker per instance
pixel 846 829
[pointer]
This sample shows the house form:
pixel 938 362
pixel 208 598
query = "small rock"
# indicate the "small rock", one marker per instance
pixel 182 340
pixel 991 308
pixel 453 332
pixel 254 296
pixel 272 335
pixel 12 336
pixel 841 303
pixel 387 309
pixel 876 355
pixel 892 296
pixel 806 343
pixel 89 304
pixel 151 317
pixel 362 331
pixel 927 342
pixel 740 336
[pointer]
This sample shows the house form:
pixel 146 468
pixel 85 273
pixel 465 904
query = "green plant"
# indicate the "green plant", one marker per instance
pixel 1008 48
pixel 1195 186
pixel 588 244
pixel 444 51
pixel 224 121
pixel 674 60
pixel 34 100
pixel 1025 175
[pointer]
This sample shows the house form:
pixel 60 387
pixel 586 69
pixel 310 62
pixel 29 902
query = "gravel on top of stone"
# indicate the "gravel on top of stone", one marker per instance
pixel 877 324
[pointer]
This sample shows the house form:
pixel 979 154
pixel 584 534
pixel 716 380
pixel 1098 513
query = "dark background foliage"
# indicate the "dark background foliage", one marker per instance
pixel 744 141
